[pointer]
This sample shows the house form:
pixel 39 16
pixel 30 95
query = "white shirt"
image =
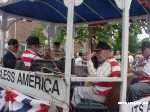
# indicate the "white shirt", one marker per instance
pixel 103 71
pixel 145 66
pixel 78 61
pixel 131 59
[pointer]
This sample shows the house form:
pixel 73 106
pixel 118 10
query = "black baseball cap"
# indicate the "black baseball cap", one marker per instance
pixel 145 45
pixel 12 42
pixel 56 43
pixel 32 40
pixel 102 46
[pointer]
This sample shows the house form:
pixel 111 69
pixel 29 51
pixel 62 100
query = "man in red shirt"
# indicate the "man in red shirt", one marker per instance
pixel 31 53
pixel 109 68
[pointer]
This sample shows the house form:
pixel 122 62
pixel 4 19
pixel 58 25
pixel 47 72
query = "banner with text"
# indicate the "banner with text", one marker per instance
pixel 41 86
pixel 142 105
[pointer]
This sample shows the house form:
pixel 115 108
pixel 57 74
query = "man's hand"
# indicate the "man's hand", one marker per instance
pixel 130 70
pixel 89 54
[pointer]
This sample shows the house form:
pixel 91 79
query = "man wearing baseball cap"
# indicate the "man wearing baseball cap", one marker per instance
pixel 109 68
pixel 31 53
pixel 142 87
pixel 10 56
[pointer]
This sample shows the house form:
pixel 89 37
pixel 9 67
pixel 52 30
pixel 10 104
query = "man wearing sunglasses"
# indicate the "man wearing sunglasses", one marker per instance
pixel 109 67
pixel 142 87
pixel 10 56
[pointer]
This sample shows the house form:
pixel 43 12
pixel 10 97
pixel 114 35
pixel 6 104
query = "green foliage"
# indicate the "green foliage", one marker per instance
pixel 81 35
pixel 112 34
pixel 60 35
pixel 37 31
pixel 134 30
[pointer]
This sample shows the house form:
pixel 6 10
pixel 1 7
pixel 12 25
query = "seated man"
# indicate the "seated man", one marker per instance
pixel 109 68
pixel 31 53
pixel 142 87
pixel 10 56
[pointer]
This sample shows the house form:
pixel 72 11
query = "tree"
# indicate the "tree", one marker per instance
pixel 60 35
pixel 37 31
pixel 112 34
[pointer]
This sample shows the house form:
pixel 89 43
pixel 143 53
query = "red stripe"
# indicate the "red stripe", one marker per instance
pixel 10 96
pixel 144 78
pixel 104 93
pixel 114 63
pixel 115 73
pixel 111 57
pixel 26 59
pixel 147 4
pixel 44 108
pixel 142 0
pixel 142 65
pixel 105 84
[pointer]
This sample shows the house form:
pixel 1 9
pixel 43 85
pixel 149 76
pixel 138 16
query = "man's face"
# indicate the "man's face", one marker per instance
pixel 145 52
pixel 102 55
pixel 36 48
pixel 117 52
pixel 14 48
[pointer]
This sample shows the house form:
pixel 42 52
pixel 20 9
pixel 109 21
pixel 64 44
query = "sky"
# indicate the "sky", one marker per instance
pixel 143 35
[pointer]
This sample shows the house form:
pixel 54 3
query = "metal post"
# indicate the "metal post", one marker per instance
pixel 3 34
pixel 125 37
pixel 73 39
pixel 69 48
pixel 15 35
pixel 148 27
pixel 51 34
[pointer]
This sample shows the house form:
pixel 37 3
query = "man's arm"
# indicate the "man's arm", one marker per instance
pixel 142 71
pixel 137 72
pixel 103 71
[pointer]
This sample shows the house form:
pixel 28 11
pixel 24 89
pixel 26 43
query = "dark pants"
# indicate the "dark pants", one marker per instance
pixel 137 91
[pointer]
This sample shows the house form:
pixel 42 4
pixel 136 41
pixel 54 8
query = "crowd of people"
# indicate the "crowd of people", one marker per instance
pixel 109 66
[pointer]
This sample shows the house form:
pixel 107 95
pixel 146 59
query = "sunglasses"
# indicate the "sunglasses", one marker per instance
pixel 16 46
pixel 98 52
pixel 39 46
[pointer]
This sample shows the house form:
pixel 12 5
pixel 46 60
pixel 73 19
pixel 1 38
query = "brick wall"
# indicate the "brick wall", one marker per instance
pixel 23 30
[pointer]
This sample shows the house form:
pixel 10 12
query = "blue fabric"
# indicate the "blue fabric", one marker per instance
pixel 55 10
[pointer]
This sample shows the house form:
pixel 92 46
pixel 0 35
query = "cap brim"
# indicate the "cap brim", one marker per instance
pixel 97 49
pixel 13 45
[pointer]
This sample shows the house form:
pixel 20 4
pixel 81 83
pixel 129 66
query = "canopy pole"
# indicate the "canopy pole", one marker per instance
pixel 125 43
pixel 3 34
pixel 51 34
pixel 69 49
pixel 148 27
pixel 73 39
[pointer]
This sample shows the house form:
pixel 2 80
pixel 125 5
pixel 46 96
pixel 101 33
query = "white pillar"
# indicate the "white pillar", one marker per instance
pixel 69 48
pixel 3 35
pixel 125 38
pixel 15 34
pixel 51 34
pixel 73 39
pixel 148 27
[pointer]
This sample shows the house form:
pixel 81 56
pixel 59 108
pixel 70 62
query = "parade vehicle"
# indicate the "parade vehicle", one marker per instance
pixel 51 88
